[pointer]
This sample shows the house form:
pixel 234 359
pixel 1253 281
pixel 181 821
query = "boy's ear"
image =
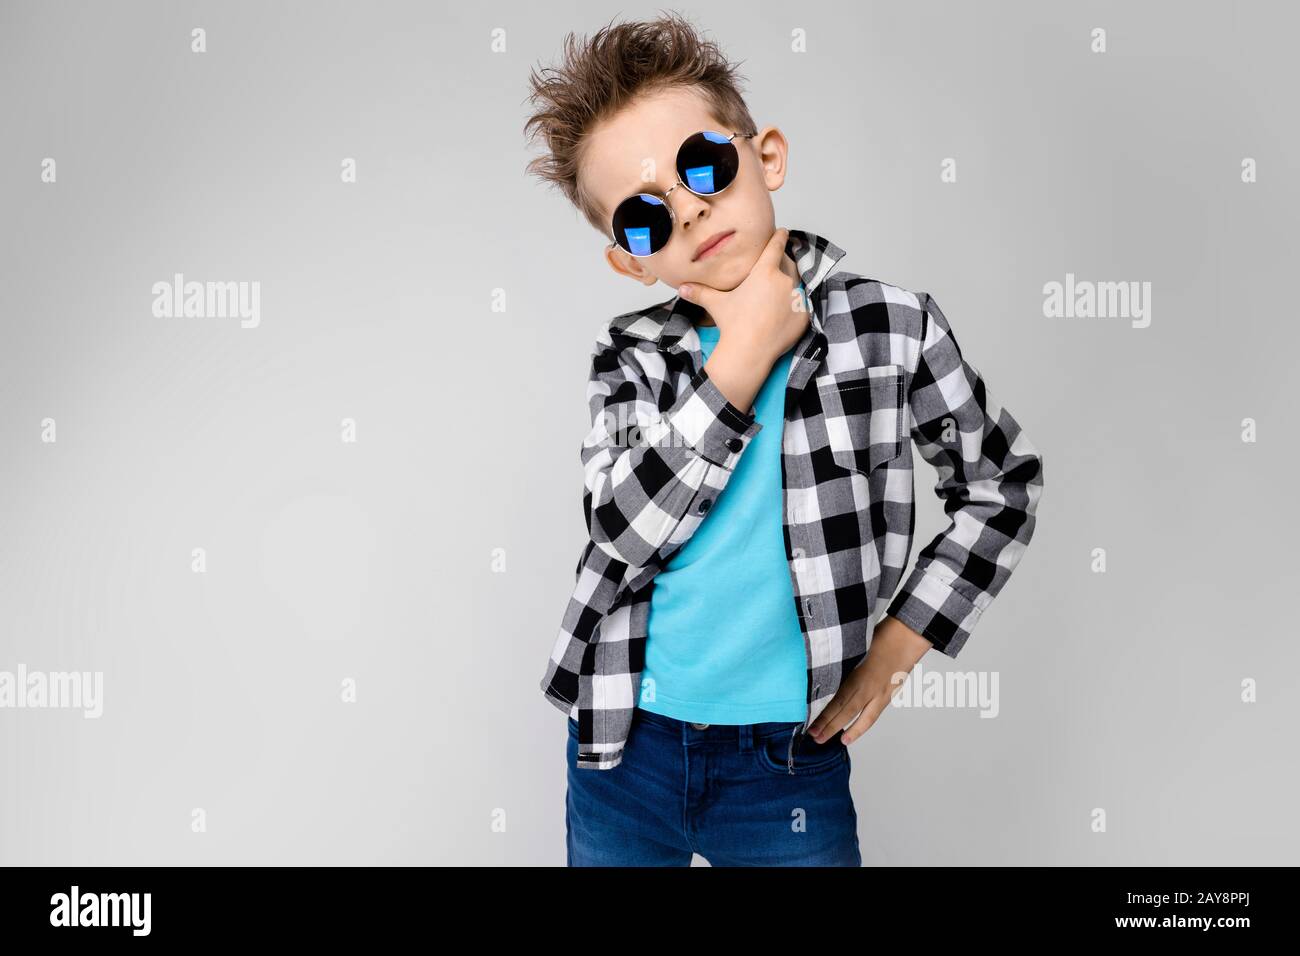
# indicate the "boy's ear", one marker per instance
pixel 626 265
pixel 773 150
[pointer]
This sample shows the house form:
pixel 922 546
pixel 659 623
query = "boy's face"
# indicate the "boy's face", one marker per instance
pixel 652 128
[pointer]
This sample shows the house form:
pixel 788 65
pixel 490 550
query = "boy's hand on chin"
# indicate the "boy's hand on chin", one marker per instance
pixel 895 649
pixel 765 315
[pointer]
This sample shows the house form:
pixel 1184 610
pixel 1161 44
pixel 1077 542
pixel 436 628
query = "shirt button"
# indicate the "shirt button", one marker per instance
pixel 699 726
pixel 808 606
pixel 704 505
pixel 734 444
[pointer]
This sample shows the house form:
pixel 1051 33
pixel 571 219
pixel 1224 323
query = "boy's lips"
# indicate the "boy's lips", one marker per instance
pixel 713 244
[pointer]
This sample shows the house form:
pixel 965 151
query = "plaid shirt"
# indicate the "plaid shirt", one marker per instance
pixel 876 366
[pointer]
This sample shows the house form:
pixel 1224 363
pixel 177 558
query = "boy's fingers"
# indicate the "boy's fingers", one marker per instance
pixel 775 248
pixel 788 265
pixel 864 721
pixel 699 294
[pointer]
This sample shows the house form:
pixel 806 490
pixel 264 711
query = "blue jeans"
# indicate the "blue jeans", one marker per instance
pixel 724 791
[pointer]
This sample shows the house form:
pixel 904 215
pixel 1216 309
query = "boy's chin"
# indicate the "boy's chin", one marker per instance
pixel 732 277
pixel 724 278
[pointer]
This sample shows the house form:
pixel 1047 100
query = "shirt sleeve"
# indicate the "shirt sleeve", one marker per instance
pixel 651 476
pixel 990 482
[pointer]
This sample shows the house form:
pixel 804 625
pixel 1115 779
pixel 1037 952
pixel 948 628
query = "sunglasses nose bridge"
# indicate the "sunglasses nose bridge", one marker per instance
pixel 672 216
pixel 701 198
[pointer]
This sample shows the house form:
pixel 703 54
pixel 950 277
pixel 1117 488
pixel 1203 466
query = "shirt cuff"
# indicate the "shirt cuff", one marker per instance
pixel 931 606
pixel 715 428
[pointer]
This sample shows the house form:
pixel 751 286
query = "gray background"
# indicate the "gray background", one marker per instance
pixel 372 560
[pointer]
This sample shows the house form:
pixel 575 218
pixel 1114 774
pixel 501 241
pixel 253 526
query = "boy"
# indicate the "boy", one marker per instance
pixel 748 480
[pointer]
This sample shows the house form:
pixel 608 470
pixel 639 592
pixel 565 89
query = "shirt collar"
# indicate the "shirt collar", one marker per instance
pixel 815 257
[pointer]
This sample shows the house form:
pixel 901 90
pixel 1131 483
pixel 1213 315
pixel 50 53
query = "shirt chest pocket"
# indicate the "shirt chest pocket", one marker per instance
pixel 865 414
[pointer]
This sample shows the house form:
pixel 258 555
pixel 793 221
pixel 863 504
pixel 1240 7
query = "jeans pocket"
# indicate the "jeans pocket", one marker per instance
pixel 809 757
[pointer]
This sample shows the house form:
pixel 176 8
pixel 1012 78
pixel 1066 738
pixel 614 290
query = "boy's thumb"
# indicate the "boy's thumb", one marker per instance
pixel 694 293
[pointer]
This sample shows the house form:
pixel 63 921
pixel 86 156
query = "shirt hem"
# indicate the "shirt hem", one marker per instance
pixel 716 714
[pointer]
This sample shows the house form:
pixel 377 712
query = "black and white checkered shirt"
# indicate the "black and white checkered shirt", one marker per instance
pixel 877 365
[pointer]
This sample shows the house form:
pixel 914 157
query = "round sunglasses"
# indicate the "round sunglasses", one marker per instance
pixel 707 163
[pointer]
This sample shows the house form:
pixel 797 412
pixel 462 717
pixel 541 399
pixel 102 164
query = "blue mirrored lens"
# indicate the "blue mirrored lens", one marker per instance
pixel 642 224
pixel 700 179
pixel 707 162
pixel 637 241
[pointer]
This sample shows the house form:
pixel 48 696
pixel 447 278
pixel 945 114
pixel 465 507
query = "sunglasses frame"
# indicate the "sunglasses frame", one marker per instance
pixel 663 197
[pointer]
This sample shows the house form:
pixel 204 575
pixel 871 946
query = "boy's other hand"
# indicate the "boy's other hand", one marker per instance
pixel 895 649
pixel 764 316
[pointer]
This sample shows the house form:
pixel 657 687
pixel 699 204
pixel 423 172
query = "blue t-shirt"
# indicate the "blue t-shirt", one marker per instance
pixel 724 644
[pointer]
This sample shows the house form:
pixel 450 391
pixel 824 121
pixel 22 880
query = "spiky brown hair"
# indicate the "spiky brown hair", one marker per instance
pixel 600 75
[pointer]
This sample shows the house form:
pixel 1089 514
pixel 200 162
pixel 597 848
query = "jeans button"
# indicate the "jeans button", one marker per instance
pixel 699 726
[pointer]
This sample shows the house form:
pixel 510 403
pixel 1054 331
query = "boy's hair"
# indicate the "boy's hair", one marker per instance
pixel 601 75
